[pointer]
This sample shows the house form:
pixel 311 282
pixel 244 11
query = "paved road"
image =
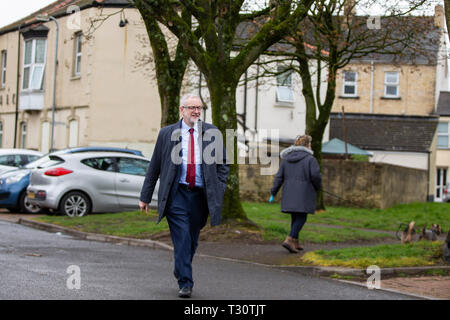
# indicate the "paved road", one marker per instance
pixel 33 265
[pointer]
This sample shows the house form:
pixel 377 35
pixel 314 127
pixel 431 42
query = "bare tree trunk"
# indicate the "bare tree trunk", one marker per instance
pixel 169 73
pixel 223 103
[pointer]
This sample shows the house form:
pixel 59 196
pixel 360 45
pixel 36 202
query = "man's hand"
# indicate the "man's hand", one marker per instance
pixel 143 206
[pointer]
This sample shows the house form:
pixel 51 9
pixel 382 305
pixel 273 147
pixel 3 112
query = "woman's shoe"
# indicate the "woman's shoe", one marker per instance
pixel 289 244
pixel 297 245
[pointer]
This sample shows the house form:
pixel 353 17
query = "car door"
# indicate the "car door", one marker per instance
pixel 101 182
pixel 129 180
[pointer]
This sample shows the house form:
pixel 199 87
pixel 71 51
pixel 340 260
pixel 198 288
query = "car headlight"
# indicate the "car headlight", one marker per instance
pixel 15 178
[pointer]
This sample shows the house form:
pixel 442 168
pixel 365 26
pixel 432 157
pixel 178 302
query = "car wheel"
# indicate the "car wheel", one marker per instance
pixel 75 204
pixel 26 206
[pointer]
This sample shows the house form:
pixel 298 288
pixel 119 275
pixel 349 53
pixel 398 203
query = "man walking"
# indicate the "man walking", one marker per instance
pixel 192 183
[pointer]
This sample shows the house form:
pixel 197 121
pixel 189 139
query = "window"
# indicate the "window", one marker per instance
pixel 104 164
pixel 284 85
pixel 349 84
pixel 1 135
pixel 73 133
pixel 391 81
pixel 12 160
pixel 23 135
pixel 77 60
pixel 443 134
pixel 34 64
pixel 3 69
pixel 441 182
pixel 44 162
pixel 132 166
pixel 32 158
pixel 45 137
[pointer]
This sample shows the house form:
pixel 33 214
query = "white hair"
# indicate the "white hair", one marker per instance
pixel 187 96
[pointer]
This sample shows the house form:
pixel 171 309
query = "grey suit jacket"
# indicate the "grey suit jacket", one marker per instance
pixel 166 164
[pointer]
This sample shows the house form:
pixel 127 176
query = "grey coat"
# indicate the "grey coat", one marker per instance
pixel 162 166
pixel 299 173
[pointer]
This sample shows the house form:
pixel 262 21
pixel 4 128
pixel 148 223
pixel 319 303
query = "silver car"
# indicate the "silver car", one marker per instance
pixel 78 184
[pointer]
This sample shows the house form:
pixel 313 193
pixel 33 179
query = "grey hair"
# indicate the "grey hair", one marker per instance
pixel 187 96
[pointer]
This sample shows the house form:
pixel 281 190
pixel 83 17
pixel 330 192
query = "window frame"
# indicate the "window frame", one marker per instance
pixel 3 58
pixel 118 160
pixel 23 134
pixel 350 83
pixel 282 71
pixel 113 164
pixel 78 47
pixel 446 134
pixel 33 65
pixel 391 84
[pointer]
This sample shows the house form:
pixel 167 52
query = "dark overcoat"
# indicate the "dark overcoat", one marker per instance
pixel 299 174
pixel 166 165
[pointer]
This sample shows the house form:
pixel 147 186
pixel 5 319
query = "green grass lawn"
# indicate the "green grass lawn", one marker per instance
pixel 277 231
pixel 123 224
pixel 422 253
pixel 274 224
pixel 387 219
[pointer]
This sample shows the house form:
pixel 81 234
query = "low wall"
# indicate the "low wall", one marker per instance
pixel 348 183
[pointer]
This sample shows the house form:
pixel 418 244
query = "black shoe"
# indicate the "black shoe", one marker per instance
pixel 185 292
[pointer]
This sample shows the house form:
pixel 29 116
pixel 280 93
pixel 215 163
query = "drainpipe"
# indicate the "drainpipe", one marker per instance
pixel 17 88
pixel 428 198
pixel 54 83
pixel 256 97
pixel 371 85
pixel 245 103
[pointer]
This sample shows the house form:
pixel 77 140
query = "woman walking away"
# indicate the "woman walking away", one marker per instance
pixel 299 173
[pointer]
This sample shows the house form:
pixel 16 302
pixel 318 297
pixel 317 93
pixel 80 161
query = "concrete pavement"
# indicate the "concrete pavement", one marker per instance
pixel 34 263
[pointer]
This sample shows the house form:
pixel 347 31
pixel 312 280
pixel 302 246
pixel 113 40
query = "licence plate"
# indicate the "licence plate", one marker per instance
pixel 31 195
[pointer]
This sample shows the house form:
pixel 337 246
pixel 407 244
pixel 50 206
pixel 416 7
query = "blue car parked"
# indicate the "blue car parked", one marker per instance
pixel 13 184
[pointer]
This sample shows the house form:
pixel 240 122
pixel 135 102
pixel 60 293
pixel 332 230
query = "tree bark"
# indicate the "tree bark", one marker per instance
pixel 169 73
pixel 223 105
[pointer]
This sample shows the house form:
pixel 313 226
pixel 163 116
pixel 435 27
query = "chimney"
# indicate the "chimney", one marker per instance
pixel 349 13
pixel 439 16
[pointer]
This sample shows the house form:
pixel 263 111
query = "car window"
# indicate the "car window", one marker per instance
pixel 136 167
pixel 49 161
pixel 32 158
pixel 10 160
pixel 37 162
pixel 104 164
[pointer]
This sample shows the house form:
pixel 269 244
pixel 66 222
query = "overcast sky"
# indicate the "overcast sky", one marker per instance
pixel 13 10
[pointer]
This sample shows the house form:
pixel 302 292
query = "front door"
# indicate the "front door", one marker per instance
pixel 441 182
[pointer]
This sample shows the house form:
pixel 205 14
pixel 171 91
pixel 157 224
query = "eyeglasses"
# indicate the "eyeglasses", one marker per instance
pixel 191 108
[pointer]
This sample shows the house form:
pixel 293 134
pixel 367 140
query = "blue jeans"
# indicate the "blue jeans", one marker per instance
pixel 298 220
pixel 186 216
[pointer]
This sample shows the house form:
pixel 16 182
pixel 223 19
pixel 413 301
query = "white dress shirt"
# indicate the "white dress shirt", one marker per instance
pixel 185 137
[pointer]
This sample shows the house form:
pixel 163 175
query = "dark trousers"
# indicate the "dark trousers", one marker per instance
pixel 298 220
pixel 186 216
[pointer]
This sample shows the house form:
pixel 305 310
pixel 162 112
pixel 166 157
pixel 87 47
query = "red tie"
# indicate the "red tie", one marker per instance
pixel 190 174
